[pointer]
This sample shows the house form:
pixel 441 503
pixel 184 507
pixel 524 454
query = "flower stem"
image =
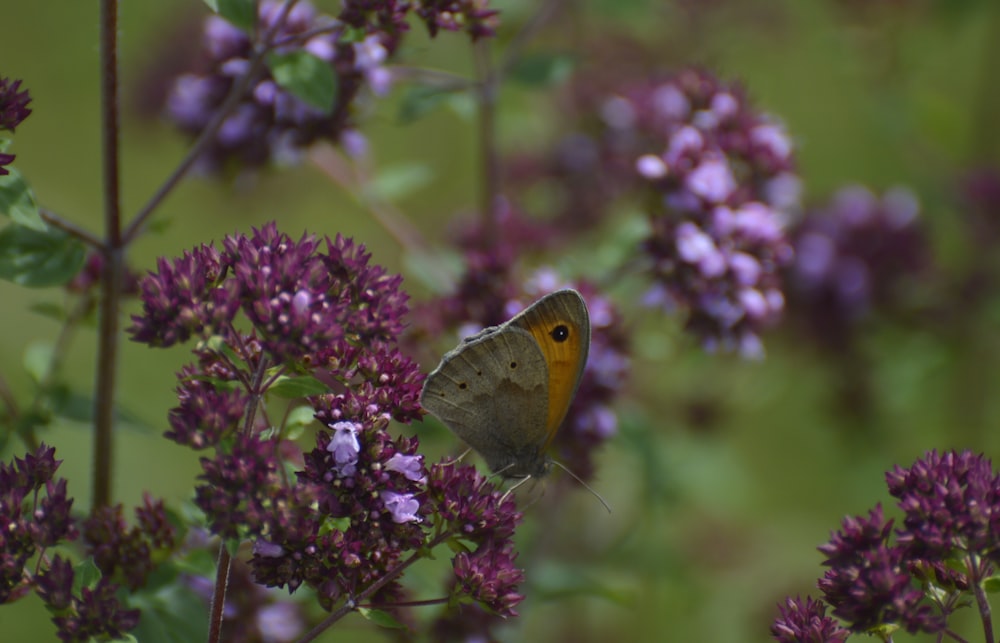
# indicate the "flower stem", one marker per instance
pixel 111 273
pixel 351 604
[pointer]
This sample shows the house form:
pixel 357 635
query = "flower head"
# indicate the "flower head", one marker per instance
pixel 13 104
pixel 951 503
pixel 720 180
pixel 855 256
pixel 805 621
pixel 868 582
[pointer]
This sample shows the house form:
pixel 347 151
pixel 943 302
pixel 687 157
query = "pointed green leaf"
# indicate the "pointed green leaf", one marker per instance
pixel 17 201
pixel 419 100
pixel 380 618
pixel 308 77
pixel 85 574
pixel 992 584
pixel 398 181
pixel 49 309
pixel 238 12
pixel 542 70
pixel 38 259
pixel 37 357
pixel 295 387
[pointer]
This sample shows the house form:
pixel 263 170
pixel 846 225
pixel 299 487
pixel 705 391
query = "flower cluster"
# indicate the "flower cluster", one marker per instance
pixel 13 110
pixel 854 255
pixel 271 123
pixel 312 317
pixel 35 513
pixel 720 184
pixel 805 621
pixel 914 576
pixel 126 555
pixel 469 507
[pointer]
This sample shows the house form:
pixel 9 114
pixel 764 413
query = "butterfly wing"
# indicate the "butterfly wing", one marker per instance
pixel 560 324
pixel 490 391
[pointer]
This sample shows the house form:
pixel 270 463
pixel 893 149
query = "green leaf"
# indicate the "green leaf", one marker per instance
pixel 334 524
pixel 295 387
pixel 381 618
pixel 233 546
pixel 418 100
pixel 238 12
pixel 308 77
pixel 398 181
pixel 992 584
pixel 542 70
pixel 298 419
pixel 37 358
pixel 85 574
pixel 17 201
pixel 39 259
pixel 171 614
pixel 50 310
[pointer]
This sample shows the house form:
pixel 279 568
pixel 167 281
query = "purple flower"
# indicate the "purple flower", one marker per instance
pixel 270 124
pixel 402 506
pixel 853 256
pixel 13 105
pixel 868 582
pixel 805 621
pixel 720 186
pixel 951 503
pixel 411 466
pixel 35 514
pixel 471 16
pixel 96 613
pixel 469 505
pixel 344 447
pixel 488 576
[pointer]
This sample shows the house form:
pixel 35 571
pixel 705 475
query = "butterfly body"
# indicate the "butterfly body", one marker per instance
pixel 506 390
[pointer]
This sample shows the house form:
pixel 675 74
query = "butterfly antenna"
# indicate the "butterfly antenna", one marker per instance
pixel 582 483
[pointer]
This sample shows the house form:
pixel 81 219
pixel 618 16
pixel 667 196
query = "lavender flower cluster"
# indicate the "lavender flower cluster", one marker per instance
pixel 854 256
pixel 13 110
pixel 917 575
pixel 721 183
pixel 362 505
pixel 270 123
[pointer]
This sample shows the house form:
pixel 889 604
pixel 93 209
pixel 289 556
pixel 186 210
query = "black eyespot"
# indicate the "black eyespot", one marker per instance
pixel 463 385
pixel 513 365
pixel 560 333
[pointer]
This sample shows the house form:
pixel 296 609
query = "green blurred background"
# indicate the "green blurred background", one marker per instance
pixel 726 474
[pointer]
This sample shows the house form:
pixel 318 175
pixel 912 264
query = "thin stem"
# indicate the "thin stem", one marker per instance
pixel 975 567
pixel 352 603
pixel 57 221
pixel 111 273
pixel 236 93
pixel 219 595
pixel 222 569
pixel 489 154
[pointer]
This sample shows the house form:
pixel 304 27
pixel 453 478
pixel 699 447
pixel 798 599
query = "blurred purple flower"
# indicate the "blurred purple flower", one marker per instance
pixel 489 577
pixel 855 256
pixel 721 183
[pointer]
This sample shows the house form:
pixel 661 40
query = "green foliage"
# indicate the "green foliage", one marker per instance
pixel 307 77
